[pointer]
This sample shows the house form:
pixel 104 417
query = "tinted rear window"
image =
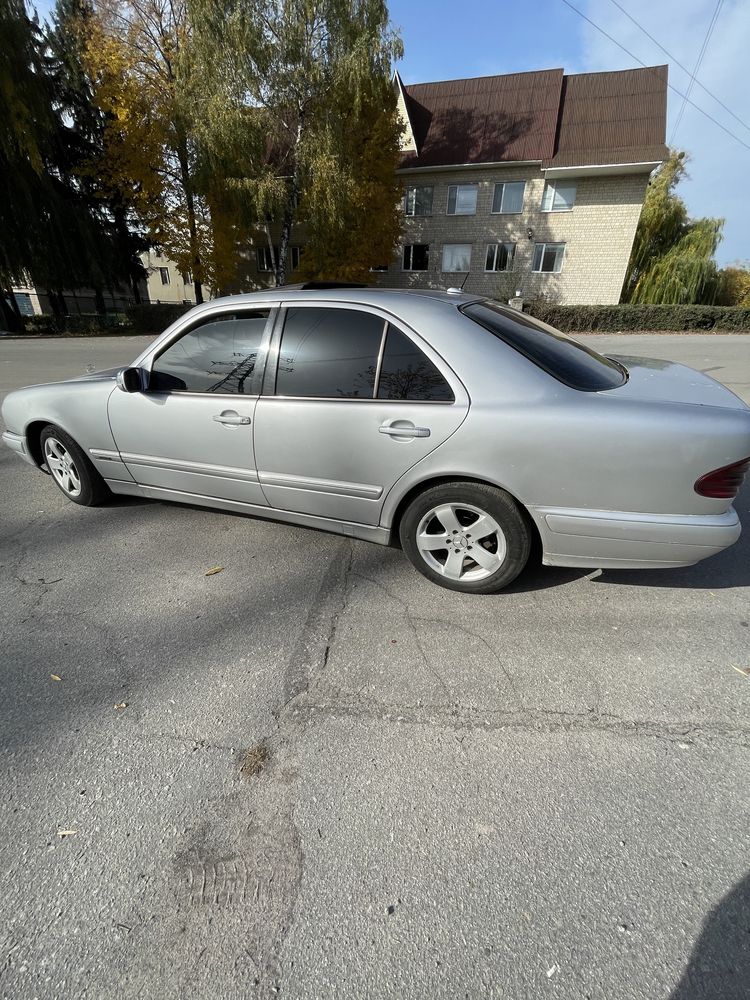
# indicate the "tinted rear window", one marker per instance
pixel 565 359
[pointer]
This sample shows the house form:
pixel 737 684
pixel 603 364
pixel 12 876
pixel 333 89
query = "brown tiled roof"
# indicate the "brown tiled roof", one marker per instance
pixel 612 118
pixel 589 118
pixel 485 119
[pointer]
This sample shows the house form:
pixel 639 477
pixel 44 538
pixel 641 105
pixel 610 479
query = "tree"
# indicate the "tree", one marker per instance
pixel 86 125
pixel 296 103
pixel 54 232
pixel 138 54
pixel 735 285
pixel 672 260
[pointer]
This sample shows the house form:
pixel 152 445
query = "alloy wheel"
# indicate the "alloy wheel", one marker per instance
pixel 461 542
pixel 62 466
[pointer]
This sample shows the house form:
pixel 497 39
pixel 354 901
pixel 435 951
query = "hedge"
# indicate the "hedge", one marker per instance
pixel 631 318
pixel 154 317
pixel 76 324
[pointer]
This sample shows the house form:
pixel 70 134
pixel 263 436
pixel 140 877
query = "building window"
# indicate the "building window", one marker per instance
pixel 558 196
pixel 457 257
pixel 462 199
pixel 418 201
pixel 380 267
pixel 265 260
pixel 23 301
pixel 164 275
pixel 500 256
pixel 187 278
pixel 548 257
pixel 416 257
pixel 508 197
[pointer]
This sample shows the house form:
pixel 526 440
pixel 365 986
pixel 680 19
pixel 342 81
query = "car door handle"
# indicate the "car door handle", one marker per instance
pixel 234 419
pixel 403 429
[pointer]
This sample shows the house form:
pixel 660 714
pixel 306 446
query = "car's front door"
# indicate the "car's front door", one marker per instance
pixel 191 431
pixel 356 402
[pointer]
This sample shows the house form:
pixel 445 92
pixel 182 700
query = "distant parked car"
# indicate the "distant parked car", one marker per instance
pixel 459 426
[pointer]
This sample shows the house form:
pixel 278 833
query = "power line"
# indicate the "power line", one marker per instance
pixel 698 62
pixel 642 63
pixel 677 62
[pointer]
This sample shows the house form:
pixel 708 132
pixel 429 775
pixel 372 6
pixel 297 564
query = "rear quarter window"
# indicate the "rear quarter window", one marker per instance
pixel 565 359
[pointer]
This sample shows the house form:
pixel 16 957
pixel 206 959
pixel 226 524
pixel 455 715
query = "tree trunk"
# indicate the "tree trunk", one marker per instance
pixel 14 305
pixel 99 302
pixel 187 186
pixel 57 302
pixel 286 229
pixel 290 210
pixel 10 314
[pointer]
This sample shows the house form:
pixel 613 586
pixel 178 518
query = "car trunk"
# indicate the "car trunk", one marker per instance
pixel 664 381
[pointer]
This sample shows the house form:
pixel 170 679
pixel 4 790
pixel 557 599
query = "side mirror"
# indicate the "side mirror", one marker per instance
pixel 130 379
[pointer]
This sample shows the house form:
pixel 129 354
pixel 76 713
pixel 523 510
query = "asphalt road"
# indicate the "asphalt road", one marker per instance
pixel 540 793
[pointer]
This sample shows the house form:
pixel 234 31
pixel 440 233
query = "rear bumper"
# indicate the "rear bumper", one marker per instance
pixel 17 443
pixel 605 539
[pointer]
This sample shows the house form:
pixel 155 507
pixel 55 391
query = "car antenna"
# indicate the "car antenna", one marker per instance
pixel 460 288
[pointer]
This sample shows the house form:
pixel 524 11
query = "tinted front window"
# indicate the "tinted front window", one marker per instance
pixel 328 353
pixel 566 359
pixel 220 355
pixel 406 373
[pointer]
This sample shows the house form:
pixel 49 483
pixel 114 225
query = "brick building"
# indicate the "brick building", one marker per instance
pixel 529 182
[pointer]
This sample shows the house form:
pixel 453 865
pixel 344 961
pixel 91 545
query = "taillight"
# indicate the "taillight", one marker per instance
pixel 723 483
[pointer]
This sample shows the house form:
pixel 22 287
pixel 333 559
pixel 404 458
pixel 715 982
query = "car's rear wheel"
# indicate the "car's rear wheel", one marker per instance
pixel 71 470
pixel 466 536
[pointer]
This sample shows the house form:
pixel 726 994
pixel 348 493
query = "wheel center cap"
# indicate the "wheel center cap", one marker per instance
pixel 461 542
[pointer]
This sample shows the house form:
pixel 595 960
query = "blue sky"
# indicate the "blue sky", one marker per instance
pixel 504 37
pixel 444 40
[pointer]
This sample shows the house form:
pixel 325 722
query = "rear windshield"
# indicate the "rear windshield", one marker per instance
pixel 566 359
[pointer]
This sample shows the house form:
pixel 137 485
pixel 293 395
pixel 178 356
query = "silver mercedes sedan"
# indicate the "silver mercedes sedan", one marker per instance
pixel 458 426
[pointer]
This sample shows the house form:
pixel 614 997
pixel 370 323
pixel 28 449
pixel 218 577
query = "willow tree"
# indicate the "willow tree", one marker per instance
pixel 672 260
pixel 296 104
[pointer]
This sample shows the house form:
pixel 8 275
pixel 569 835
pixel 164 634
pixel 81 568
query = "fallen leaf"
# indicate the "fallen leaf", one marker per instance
pixel 67 833
pixel 551 971
pixel 214 570
pixel 745 671
pixel 55 677
pixel 121 705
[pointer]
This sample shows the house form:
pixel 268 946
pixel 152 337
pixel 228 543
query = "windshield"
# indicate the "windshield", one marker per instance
pixel 565 359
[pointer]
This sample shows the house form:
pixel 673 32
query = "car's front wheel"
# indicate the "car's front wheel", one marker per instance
pixel 70 468
pixel 466 536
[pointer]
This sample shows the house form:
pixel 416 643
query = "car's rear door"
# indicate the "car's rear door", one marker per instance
pixel 191 431
pixel 354 402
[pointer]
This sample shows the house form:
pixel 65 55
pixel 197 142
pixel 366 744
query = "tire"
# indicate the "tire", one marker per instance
pixel 71 469
pixel 447 513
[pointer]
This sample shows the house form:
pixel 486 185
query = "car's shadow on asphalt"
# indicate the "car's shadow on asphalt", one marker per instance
pixel 719 965
pixel 730 568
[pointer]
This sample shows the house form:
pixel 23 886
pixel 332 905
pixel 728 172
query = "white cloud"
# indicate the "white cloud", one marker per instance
pixel 719 166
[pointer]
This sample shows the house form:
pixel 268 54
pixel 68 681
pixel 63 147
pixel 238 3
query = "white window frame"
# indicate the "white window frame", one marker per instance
pixel 410 246
pixel 412 189
pixel 293 255
pixel 496 246
pixel 552 186
pixel 553 243
pixel 502 211
pixel 443 269
pixel 456 187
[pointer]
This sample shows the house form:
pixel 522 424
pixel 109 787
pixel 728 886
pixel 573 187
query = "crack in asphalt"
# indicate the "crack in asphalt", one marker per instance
pixel 248 849
pixel 455 716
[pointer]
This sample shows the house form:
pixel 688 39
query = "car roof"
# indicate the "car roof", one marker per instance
pixel 387 298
